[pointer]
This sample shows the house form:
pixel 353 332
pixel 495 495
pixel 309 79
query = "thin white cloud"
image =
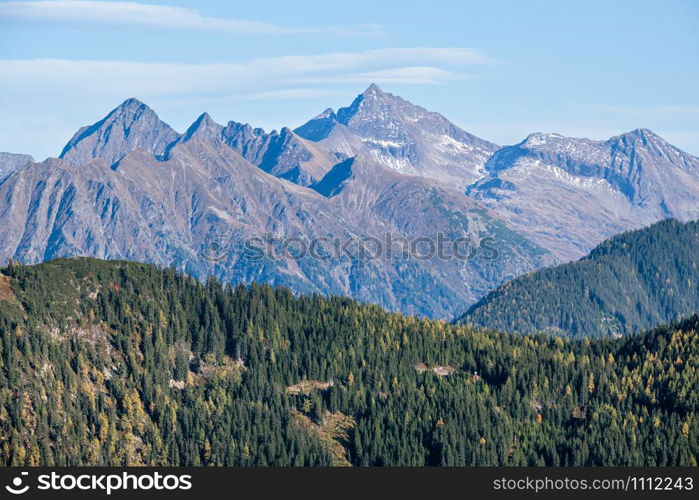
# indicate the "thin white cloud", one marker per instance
pixel 117 78
pixel 414 75
pixel 98 13
pixel 288 94
pixel 51 98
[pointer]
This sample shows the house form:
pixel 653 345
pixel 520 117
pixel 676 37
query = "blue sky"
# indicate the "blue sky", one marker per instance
pixel 498 69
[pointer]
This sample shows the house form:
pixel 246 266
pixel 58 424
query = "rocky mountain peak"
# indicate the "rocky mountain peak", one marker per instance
pixel 328 113
pixel 130 112
pixel 541 138
pixel 373 89
pixel 204 127
pixel 642 137
pixel 400 136
pixel 318 127
pixel 132 104
pixel 643 133
pixel 373 103
pixel 131 125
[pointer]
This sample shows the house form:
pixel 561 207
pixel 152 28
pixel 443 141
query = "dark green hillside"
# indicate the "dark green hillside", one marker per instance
pixel 630 282
pixel 120 363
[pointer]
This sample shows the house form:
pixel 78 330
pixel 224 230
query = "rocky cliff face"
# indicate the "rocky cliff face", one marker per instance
pixel 570 194
pixel 403 137
pixel 131 126
pixel 9 162
pixel 131 187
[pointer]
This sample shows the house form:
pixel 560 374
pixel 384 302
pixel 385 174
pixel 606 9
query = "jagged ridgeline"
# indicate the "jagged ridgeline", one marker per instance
pixel 118 363
pixel 630 282
pixel 131 187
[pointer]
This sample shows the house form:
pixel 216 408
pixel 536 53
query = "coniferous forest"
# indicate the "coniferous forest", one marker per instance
pixel 116 363
pixel 629 283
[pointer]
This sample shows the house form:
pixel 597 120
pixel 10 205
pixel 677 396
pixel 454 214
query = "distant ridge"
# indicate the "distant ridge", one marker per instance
pixel 628 283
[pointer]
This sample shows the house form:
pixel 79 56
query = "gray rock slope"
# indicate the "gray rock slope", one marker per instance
pixel 131 126
pixel 9 162
pixel 402 137
pixel 569 194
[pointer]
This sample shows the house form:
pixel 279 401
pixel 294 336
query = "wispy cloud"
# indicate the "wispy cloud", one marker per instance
pixel 284 95
pixel 257 76
pixel 414 75
pixel 98 13
pixel 53 97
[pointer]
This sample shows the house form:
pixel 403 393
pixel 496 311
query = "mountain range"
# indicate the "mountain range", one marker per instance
pixel 131 187
pixel 570 194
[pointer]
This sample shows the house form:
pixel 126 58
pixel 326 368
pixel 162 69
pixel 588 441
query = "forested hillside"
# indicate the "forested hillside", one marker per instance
pixel 119 363
pixel 632 281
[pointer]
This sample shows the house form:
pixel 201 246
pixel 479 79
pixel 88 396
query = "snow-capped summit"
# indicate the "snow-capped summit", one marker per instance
pixel 374 105
pixel 401 136
pixel 540 138
pixel 573 192
pixel 648 142
pixel 328 113
pixel 373 90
